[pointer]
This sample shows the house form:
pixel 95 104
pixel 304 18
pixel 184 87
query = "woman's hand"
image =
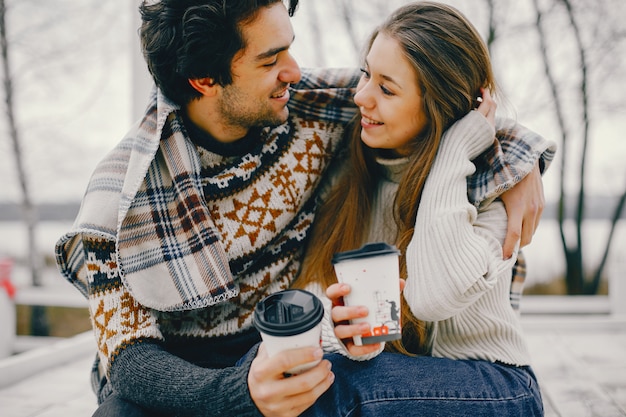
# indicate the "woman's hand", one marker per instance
pixel 487 106
pixel 279 396
pixel 524 205
pixel 341 316
pixel 524 202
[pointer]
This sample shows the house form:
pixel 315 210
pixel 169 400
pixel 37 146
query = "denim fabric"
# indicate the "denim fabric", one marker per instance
pixel 398 385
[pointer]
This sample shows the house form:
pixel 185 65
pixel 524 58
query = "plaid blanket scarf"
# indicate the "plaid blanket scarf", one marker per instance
pixel 181 236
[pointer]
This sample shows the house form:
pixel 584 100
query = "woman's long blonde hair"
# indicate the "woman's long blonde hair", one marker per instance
pixel 452 65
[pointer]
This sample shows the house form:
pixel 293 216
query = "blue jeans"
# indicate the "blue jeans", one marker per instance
pixel 398 385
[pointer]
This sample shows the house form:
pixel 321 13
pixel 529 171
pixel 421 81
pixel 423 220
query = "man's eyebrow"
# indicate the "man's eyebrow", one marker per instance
pixel 274 51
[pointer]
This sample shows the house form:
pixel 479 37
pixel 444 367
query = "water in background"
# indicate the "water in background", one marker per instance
pixel 544 255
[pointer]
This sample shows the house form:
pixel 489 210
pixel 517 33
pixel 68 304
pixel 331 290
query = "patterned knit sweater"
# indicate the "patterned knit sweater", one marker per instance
pixel 174 247
pixel 164 229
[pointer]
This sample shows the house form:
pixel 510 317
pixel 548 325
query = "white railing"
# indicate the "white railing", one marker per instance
pixel 18 367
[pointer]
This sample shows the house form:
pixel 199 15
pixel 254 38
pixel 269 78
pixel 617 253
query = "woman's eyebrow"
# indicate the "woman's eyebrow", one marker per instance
pixel 384 77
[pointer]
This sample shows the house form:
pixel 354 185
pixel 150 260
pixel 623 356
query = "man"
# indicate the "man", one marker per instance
pixel 202 210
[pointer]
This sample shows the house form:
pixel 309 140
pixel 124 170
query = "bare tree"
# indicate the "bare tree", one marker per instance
pixel 491 32
pixel 39 325
pixel 583 42
pixel 28 209
pixel 575 276
pixel 316 30
pixel 347 13
pixel 30 67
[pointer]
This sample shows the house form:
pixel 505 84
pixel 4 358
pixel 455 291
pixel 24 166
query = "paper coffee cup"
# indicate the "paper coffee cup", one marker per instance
pixel 373 273
pixel 290 319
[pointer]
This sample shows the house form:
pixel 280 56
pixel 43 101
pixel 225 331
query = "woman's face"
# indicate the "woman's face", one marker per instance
pixel 389 99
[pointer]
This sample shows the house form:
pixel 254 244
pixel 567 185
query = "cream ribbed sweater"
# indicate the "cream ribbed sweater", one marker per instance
pixel 457 279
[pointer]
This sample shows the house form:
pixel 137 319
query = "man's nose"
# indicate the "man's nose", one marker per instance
pixel 291 73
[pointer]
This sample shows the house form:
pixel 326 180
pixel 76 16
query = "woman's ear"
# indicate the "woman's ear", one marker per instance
pixel 205 86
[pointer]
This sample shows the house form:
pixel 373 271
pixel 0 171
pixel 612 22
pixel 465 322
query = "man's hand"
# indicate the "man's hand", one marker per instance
pixel 276 395
pixel 524 204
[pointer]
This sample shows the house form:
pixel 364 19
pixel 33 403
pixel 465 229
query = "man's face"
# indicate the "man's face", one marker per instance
pixel 262 73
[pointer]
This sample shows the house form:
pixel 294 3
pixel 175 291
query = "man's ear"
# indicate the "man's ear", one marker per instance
pixel 205 86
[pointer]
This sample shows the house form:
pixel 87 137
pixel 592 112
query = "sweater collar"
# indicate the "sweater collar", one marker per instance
pixel 392 169
pixel 239 147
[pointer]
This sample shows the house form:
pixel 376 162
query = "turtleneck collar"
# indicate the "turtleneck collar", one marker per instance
pixel 392 169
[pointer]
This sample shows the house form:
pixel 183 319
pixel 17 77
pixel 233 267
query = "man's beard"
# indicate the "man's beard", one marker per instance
pixel 238 109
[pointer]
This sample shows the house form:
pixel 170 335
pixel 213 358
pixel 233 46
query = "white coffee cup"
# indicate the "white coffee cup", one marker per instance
pixel 290 319
pixel 373 273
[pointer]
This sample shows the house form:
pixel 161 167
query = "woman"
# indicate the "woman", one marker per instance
pixel 426 119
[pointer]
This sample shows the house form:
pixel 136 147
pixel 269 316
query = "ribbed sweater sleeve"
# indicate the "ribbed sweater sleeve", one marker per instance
pixel 155 379
pixel 452 260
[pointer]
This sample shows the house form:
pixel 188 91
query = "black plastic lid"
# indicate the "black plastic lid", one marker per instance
pixel 371 249
pixel 288 312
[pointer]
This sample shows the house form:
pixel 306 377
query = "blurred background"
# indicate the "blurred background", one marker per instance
pixel 74 81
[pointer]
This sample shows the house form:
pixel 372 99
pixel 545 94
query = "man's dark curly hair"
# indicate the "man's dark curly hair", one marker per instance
pixel 187 39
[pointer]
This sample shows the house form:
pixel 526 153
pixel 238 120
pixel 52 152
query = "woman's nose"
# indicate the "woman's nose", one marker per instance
pixel 362 97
